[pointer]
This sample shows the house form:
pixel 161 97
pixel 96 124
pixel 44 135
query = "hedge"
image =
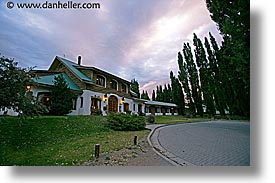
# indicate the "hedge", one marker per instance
pixel 126 122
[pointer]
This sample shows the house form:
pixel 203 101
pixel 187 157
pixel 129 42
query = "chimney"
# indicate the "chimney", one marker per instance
pixel 79 60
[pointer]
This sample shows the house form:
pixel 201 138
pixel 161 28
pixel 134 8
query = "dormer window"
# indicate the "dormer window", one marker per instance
pixel 113 84
pixel 100 80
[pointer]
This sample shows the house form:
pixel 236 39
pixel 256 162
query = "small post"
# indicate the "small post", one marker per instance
pixel 135 140
pixel 97 147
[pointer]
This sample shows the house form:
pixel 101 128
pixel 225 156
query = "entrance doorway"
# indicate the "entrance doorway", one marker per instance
pixel 112 104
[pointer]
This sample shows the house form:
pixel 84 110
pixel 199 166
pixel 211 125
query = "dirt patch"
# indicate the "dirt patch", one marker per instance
pixel 136 155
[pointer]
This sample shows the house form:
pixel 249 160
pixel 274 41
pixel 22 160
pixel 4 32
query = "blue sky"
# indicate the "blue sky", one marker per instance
pixel 129 38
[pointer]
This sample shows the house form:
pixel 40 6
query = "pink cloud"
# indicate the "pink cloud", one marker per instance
pixel 133 39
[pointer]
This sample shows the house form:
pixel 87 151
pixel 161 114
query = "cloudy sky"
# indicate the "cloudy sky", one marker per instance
pixel 129 38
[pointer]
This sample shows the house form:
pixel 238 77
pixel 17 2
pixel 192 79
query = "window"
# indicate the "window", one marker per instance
pixel 126 107
pixel 74 104
pixel 134 107
pixel 139 108
pixel 113 84
pixel 81 102
pixel 95 103
pixel 124 88
pixel 100 80
pixel 158 110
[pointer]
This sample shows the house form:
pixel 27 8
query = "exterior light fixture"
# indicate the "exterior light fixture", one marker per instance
pixel 104 98
pixel 28 88
pixel 122 100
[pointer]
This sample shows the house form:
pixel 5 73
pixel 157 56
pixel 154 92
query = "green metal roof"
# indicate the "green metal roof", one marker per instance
pixel 48 80
pixel 72 66
pixel 156 103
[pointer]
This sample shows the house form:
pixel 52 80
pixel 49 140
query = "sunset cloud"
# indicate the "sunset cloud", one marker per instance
pixel 132 39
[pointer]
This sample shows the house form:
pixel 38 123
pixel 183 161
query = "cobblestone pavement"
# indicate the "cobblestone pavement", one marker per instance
pixel 218 143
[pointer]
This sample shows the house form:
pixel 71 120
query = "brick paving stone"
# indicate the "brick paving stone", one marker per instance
pixel 218 143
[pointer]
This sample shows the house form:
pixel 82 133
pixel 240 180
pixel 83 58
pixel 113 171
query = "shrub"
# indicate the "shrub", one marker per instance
pixel 96 112
pixel 141 113
pixel 150 118
pixel 126 122
pixel 128 112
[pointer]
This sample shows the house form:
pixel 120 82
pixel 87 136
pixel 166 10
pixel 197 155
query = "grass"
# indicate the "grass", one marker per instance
pixel 67 140
pixel 183 119
pixel 178 119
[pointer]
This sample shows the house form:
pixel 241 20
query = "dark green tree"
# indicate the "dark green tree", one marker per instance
pixel 160 93
pixel 165 94
pixel 157 93
pixel 233 20
pixel 153 96
pixel 144 95
pixel 206 81
pixel 135 87
pixel 169 91
pixel 177 93
pixel 217 80
pixel 61 97
pixel 184 79
pixel 193 78
pixel 13 82
pixel 14 95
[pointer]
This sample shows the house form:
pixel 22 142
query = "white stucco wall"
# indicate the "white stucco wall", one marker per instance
pixel 85 109
pixel 10 112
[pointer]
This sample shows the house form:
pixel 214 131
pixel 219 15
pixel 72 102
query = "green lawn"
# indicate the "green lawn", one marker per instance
pixel 177 119
pixel 183 119
pixel 67 140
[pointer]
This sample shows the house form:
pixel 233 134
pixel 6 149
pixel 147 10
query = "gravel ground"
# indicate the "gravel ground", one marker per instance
pixel 139 155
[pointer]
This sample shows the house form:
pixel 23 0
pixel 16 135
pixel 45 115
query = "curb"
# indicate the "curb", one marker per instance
pixel 168 156
pixel 154 142
pixel 159 150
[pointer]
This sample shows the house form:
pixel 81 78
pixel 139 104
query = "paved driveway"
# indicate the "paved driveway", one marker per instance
pixel 218 143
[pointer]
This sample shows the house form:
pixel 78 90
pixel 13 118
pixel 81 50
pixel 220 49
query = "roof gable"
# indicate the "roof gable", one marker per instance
pixel 72 67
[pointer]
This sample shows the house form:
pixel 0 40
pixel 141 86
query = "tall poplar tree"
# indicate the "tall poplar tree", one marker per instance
pixel 169 91
pixel 135 87
pixel 183 76
pixel 177 93
pixel 205 75
pixel 233 21
pixel 153 96
pixel 144 95
pixel 193 78
pixel 160 93
pixel 215 73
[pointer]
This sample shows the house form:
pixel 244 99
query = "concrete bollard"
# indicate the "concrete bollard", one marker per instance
pixel 97 148
pixel 135 140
